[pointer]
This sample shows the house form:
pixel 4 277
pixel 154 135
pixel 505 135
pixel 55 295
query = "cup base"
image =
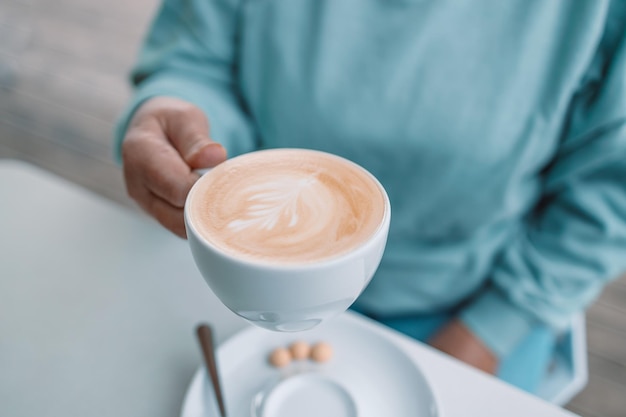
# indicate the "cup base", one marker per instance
pixel 288 326
pixel 298 320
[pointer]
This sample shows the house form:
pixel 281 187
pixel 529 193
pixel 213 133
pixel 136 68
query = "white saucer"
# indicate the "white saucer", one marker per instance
pixel 368 376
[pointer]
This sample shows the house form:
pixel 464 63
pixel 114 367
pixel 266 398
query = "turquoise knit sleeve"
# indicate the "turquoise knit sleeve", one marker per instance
pixel 575 240
pixel 189 53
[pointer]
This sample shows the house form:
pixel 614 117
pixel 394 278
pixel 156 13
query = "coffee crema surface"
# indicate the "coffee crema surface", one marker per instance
pixel 287 206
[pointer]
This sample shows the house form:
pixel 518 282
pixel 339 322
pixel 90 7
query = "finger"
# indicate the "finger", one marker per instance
pixel 167 175
pixel 188 131
pixel 151 162
pixel 170 217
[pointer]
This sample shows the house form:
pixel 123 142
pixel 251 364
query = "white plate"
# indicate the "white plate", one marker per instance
pixel 368 376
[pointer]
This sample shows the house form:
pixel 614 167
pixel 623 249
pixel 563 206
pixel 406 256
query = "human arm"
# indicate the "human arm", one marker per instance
pixel 575 239
pixel 185 75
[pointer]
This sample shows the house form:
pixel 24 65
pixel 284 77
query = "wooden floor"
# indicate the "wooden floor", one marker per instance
pixel 63 71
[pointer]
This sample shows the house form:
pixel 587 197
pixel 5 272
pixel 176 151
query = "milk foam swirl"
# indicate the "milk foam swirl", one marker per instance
pixel 287 206
pixel 275 203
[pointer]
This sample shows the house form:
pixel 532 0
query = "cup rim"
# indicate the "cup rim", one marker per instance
pixel 382 227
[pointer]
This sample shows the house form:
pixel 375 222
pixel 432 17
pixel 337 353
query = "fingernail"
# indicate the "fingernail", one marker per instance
pixel 205 156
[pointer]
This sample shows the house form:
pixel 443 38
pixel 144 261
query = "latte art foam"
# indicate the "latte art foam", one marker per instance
pixel 287 206
pixel 280 202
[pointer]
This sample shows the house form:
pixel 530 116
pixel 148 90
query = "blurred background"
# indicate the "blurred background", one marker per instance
pixel 64 68
pixel 63 81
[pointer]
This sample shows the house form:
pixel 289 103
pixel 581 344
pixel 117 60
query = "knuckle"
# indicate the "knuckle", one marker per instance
pixel 133 147
pixel 195 112
pixel 131 180
pixel 128 150
pixel 181 109
pixel 184 111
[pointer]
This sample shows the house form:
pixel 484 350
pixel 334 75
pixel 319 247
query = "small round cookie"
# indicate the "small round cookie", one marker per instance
pixel 280 357
pixel 321 352
pixel 300 350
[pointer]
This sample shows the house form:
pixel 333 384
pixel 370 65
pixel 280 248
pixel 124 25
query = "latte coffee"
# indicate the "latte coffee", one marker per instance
pixel 286 206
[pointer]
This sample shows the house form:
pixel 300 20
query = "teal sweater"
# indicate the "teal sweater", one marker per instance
pixel 497 127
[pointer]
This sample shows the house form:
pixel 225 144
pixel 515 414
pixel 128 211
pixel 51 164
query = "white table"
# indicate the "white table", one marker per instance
pixel 98 307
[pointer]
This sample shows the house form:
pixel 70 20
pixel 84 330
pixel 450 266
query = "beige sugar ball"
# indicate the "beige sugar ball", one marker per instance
pixel 280 357
pixel 321 352
pixel 300 350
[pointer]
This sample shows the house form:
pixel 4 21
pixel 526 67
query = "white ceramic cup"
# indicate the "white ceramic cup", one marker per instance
pixel 288 297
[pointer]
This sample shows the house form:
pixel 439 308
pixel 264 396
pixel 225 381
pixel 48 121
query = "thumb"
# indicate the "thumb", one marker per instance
pixel 188 131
